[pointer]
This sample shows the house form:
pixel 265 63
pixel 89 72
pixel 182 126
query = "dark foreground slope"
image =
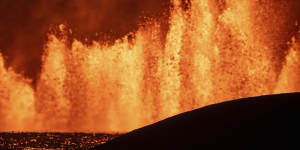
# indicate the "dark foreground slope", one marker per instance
pixel 250 123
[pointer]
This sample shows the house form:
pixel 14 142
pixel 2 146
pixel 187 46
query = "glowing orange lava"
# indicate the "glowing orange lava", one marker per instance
pixel 208 56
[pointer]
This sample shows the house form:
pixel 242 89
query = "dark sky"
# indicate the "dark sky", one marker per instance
pixel 24 24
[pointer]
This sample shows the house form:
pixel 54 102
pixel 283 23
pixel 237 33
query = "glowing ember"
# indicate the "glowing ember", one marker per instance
pixel 208 56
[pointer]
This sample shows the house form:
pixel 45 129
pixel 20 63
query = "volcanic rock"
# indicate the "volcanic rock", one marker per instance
pixel 250 123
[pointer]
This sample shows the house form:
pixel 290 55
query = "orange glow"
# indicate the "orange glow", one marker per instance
pixel 16 101
pixel 289 80
pixel 208 56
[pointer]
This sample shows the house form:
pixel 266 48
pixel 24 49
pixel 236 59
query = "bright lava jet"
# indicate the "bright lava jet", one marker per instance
pixel 191 54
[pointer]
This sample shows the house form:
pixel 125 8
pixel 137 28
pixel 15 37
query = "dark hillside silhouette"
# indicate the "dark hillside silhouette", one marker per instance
pixel 250 123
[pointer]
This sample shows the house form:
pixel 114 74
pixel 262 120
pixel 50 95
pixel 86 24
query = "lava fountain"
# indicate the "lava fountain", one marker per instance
pixel 213 51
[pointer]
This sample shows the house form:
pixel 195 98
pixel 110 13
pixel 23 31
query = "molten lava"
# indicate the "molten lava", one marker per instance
pixel 209 55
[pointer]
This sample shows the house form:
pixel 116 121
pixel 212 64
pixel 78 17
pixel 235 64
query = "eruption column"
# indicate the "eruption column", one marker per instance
pixel 170 84
pixel 211 52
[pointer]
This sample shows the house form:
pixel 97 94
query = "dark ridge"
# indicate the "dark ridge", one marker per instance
pixel 249 123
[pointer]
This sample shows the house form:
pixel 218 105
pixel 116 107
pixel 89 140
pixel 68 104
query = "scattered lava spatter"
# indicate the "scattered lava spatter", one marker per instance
pixel 211 53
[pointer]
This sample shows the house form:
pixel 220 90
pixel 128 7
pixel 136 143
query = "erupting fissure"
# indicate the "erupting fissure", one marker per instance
pixel 209 55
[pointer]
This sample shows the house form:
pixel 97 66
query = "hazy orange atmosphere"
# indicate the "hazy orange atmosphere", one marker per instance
pixel 131 63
